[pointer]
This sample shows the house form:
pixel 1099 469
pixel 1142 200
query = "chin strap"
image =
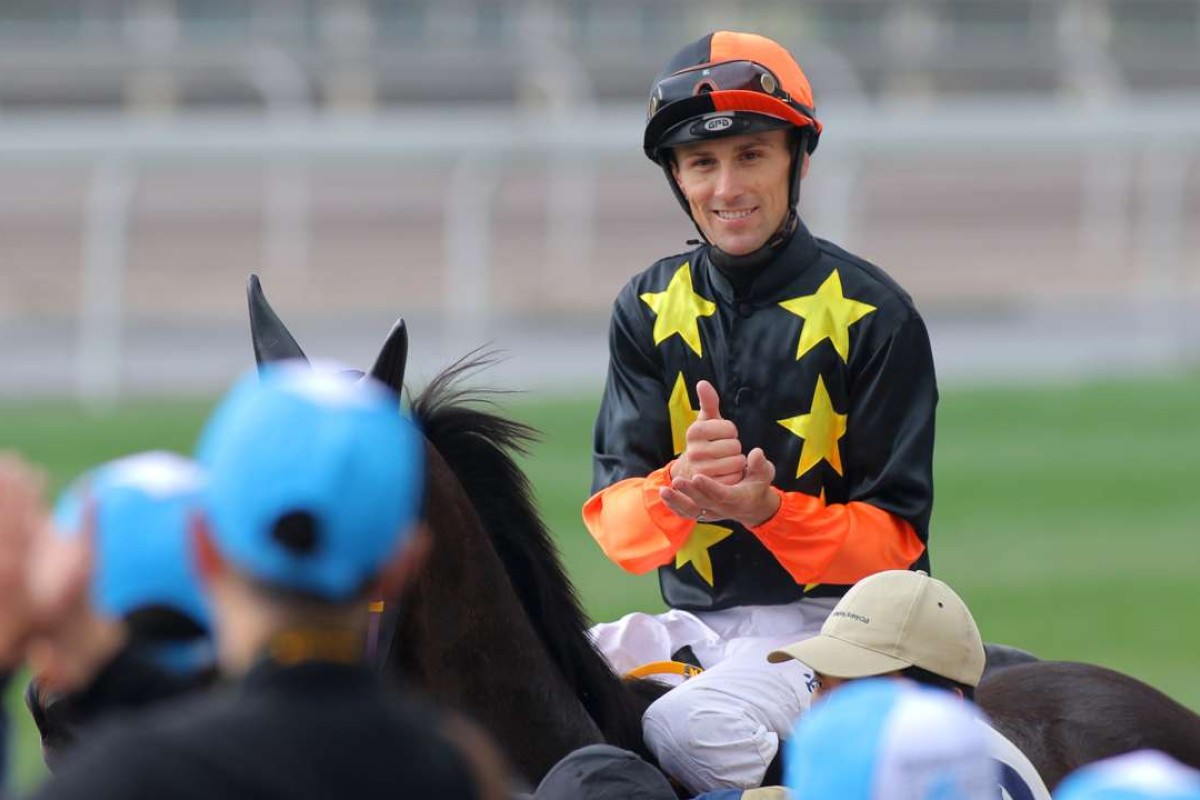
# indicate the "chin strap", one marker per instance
pixel 763 254
pixel 679 196
pixel 797 168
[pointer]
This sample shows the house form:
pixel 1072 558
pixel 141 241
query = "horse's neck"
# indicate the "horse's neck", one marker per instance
pixel 476 448
pixel 463 639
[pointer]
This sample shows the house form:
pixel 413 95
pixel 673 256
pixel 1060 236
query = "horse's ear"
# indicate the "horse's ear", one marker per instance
pixel 393 358
pixel 272 340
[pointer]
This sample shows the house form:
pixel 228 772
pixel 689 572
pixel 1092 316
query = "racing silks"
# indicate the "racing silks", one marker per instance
pixel 826 365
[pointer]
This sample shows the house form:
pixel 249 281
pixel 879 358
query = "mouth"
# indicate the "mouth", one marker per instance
pixel 734 215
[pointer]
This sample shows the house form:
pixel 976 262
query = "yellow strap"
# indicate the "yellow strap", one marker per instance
pixel 300 645
pixel 664 668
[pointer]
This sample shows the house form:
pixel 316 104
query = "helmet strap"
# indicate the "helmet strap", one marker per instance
pixel 666 163
pixel 798 155
pixel 763 254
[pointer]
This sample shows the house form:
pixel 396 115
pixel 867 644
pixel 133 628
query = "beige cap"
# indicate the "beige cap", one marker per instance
pixel 891 621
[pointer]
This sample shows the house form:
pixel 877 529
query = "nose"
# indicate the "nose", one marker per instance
pixel 728 185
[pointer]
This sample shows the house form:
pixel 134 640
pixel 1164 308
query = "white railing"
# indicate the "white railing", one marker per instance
pixel 1161 136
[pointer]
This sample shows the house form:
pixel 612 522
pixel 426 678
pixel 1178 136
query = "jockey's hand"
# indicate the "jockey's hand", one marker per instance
pixel 712 447
pixel 750 501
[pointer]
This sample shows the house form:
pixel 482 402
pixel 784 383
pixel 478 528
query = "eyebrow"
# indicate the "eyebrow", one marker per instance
pixel 758 141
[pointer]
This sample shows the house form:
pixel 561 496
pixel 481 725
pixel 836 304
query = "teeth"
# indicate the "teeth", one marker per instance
pixel 735 214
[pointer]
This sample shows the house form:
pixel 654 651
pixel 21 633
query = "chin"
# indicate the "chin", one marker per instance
pixel 739 247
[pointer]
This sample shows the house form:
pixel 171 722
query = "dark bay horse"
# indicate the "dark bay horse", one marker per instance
pixel 494 628
pixel 1063 714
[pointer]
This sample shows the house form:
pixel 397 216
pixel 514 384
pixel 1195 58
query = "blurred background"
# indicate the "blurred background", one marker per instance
pixel 1025 168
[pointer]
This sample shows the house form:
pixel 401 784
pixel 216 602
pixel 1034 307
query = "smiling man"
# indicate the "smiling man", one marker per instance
pixel 765 438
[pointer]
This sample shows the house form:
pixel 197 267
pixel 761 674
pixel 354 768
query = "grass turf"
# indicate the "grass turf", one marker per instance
pixel 1067 516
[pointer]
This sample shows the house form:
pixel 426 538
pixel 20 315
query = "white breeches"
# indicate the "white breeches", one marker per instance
pixel 720 729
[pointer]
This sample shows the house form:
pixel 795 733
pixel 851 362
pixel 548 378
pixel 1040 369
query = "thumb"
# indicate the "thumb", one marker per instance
pixel 710 403
pixel 758 467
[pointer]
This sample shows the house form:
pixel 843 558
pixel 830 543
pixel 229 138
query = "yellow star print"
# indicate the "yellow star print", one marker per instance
pixel 682 414
pixel 695 549
pixel 678 310
pixel 820 428
pixel 828 314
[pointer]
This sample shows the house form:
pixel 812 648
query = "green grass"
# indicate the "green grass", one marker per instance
pixel 1067 517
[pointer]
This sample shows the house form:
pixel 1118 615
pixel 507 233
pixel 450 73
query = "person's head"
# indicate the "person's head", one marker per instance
pixel 312 503
pixel 136 512
pixel 896 623
pixel 603 772
pixel 1143 775
pixel 731 121
pixel 883 739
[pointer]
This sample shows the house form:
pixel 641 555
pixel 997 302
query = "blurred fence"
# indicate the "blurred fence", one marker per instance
pixel 486 219
pixel 1026 168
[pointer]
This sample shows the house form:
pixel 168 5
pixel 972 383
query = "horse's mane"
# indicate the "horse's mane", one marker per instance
pixel 479 447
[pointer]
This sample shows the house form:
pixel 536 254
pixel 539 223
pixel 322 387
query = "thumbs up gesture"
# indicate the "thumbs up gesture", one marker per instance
pixel 713 479
pixel 712 445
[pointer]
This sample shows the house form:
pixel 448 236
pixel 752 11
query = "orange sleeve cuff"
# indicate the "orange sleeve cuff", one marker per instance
pixel 633 526
pixel 836 543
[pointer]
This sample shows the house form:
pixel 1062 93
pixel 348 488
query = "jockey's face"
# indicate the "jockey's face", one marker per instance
pixel 736 187
pixel 827 683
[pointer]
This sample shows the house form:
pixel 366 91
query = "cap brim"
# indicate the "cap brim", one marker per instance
pixel 750 123
pixel 839 658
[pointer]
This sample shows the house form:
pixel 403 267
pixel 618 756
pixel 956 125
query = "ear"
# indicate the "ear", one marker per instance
pixel 271 338
pixel 393 358
pixel 400 572
pixel 804 167
pixel 209 561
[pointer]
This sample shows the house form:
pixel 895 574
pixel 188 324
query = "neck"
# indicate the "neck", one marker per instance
pixel 758 258
pixel 251 625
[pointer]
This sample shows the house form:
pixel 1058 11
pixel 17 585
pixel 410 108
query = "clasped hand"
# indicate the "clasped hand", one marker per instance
pixel 713 479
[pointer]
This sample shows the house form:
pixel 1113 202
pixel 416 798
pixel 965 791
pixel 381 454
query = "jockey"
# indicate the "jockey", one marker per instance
pixel 311 506
pixel 765 437
pixel 142 633
pixel 909 625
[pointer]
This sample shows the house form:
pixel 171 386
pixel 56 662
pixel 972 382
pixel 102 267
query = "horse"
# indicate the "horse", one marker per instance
pixel 1064 714
pixel 494 627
